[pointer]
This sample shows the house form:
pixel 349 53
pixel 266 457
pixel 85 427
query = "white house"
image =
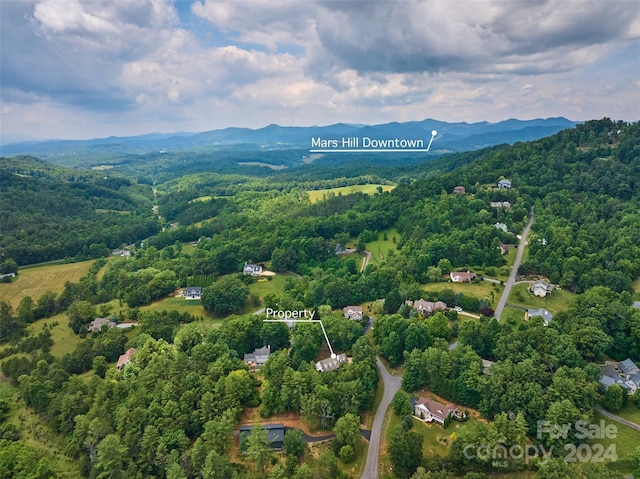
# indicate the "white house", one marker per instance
pixel 432 411
pixel 504 184
pixel 354 313
pixel 541 288
pixel 192 293
pixel 252 269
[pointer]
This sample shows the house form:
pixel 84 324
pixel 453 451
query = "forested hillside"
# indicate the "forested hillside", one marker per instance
pixel 172 411
pixel 50 212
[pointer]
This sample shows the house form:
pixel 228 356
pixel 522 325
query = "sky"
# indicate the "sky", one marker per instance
pixel 85 69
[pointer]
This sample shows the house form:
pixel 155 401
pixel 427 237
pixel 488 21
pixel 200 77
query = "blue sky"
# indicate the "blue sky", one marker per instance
pixel 82 69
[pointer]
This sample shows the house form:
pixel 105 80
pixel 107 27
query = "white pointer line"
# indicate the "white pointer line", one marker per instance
pixel 371 150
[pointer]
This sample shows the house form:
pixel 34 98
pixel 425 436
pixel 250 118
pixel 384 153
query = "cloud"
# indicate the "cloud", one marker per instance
pixel 215 63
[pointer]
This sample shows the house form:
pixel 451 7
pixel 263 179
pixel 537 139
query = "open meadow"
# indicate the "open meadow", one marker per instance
pixel 319 195
pixel 37 280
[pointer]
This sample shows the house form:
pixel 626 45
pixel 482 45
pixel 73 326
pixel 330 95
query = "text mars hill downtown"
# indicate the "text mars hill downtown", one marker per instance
pixel 365 143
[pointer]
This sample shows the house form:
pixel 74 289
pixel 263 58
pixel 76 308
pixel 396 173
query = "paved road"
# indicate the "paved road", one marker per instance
pixel 391 386
pixel 367 258
pixel 514 271
pixel 619 419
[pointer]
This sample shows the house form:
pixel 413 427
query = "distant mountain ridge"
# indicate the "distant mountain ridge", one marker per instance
pixel 452 137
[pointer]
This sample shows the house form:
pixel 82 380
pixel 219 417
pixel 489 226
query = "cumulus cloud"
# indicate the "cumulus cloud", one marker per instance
pixel 301 62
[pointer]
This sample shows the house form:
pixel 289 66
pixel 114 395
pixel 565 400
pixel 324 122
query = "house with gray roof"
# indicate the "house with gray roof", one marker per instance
pixel 331 364
pixel 258 357
pixel 541 288
pixel 546 316
pixel 628 367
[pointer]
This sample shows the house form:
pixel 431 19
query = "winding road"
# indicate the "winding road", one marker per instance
pixel 514 271
pixel 391 386
pixel 619 419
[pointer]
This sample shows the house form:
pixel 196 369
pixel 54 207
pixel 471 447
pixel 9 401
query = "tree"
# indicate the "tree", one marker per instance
pixel 80 313
pixel 400 403
pixel 393 301
pixel 614 398
pixel 225 296
pixel 293 444
pixel 110 463
pixel 99 366
pixel 405 451
pixel 258 449
pixel 347 431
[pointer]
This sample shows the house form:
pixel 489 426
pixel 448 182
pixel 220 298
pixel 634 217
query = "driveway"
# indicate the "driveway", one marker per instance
pixel 391 386
pixel 514 271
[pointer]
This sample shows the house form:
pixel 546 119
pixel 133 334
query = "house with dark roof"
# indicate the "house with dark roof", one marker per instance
pixel 275 434
pixel 192 293
pixel 258 357
pixel 429 410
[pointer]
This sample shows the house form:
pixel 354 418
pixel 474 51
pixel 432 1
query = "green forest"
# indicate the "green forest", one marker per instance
pixel 175 410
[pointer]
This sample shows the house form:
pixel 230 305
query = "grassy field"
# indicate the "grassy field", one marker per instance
pixel 484 289
pixel 557 301
pixel 179 304
pixel 319 195
pixel 380 249
pixel 263 286
pixel 626 441
pixel 37 435
pixel 38 280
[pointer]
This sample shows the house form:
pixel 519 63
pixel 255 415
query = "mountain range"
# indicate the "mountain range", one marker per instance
pixel 451 137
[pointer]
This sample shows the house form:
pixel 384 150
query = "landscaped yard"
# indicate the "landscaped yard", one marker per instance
pixel 178 303
pixel 481 290
pixel 557 301
pixel 38 280
pixel 319 195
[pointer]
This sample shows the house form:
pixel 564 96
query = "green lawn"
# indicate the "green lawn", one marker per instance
pixel 380 249
pixel 436 442
pixel 264 286
pixel 179 304
pixel 319 195
pixel 484 289
pixel 38 280
pixel 626 441
pixel 630 413
pixel 512 315
pixel 557 301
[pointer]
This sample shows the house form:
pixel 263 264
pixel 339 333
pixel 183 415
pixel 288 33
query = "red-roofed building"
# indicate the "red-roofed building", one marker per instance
pixel 429 410
pixel 125 358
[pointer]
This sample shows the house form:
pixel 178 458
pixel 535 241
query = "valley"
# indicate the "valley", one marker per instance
pixel 421 246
